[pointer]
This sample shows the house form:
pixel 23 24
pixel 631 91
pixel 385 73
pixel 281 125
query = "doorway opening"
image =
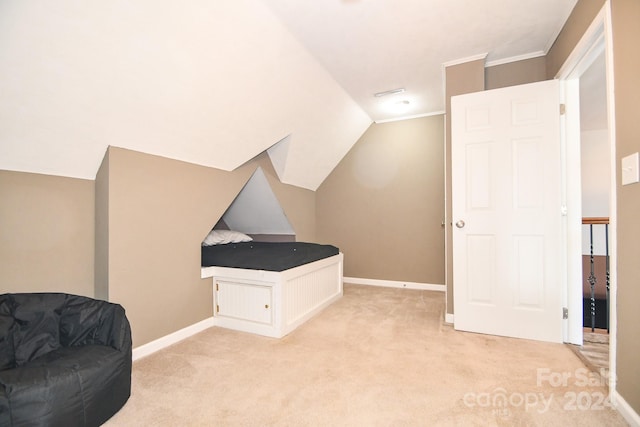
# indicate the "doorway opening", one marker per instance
pixel 595 168
pixel 590 176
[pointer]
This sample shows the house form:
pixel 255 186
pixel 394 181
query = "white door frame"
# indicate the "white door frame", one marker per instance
pixel 596 39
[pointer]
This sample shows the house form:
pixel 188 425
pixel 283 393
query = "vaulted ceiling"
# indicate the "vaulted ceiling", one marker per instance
pixel 219 82
pixel 371 46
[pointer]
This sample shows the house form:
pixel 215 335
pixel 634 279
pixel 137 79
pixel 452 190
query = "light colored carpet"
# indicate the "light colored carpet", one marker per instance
pixel 377 357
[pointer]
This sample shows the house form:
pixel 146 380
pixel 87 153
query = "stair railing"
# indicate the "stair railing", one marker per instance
pixel 591 221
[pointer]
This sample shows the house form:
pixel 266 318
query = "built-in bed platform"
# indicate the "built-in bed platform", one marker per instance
pixel 271 288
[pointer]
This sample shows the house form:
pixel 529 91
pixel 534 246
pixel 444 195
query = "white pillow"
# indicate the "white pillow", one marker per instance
pixel 221 237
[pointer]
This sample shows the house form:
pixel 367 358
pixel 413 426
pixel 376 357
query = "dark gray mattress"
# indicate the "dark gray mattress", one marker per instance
pixel 269 256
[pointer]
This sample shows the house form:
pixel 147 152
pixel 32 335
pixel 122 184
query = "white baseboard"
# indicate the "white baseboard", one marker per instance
pixel 163 342
pixel 626 410
pixel 448 318
pixel 395 284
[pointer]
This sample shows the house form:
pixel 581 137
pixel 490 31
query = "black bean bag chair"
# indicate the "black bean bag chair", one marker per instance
pixel 65 360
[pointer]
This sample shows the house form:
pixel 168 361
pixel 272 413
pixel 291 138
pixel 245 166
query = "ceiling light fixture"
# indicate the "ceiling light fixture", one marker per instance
pixel 396 107
pixel 389 92
pixel 401 106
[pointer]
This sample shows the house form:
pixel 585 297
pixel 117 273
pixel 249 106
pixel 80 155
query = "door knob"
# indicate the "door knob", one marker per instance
pixel 460 224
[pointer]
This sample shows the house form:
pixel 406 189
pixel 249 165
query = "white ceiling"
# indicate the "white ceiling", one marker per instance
pixel 218 82
pixel 371 46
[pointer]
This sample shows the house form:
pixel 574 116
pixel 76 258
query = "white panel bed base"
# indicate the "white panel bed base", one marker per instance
pixel 273 303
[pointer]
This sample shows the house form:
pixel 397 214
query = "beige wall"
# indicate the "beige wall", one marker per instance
pixel 384 203
pixel 581 17
pixel 46 234
pixel 462 78
pixel 626 34
pixel 515 73
pixel 159 210
pixel 156 211
pixel 101 263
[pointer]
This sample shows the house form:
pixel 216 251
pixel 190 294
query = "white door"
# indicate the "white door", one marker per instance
pixel 507 212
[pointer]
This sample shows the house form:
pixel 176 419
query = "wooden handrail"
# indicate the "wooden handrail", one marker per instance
pixel 595 220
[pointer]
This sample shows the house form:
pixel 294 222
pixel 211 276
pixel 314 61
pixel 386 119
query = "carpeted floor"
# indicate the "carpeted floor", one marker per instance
pixel 377 357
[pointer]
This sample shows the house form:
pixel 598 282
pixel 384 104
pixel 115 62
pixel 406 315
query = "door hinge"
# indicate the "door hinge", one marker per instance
pixel 217 308
pixel 565 313
pixel 563 109
pixel 217 287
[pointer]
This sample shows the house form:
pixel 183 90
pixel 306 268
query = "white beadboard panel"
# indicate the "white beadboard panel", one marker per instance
pixel 295 295
pixel 244 301
pixel 303 294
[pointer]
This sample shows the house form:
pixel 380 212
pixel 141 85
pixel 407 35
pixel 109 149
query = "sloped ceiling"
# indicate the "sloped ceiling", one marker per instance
pixel 209 82
pixel 218 82
pixel 372 46
pixel 256 209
